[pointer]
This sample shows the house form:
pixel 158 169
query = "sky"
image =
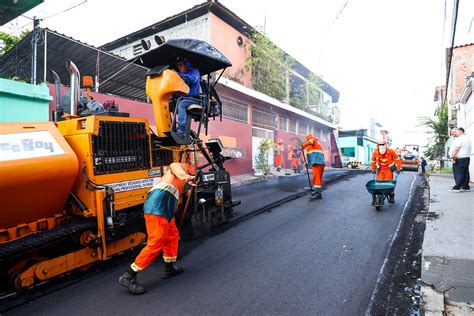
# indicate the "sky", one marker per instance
pixel 385 57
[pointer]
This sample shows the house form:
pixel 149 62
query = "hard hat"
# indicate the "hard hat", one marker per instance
pixel 308 136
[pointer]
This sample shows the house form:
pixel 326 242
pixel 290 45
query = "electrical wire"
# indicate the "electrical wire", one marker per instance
pixel 453 35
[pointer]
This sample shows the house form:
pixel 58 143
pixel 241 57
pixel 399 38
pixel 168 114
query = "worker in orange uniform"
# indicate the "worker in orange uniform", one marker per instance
pixel 159 208
pixel 385 162
pixel 278 154
pixel 294 155
pixel 315 155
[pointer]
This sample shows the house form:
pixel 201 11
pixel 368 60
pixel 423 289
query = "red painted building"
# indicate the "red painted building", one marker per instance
pixel 249 116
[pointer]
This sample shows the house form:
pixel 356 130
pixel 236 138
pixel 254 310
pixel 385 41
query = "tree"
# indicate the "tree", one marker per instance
pixel 7 41
pixel 269 66
pixel 439 129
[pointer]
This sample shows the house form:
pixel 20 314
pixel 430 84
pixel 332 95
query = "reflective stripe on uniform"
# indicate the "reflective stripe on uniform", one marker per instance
pixel 169 259
pixel 167 187
pixel 135 267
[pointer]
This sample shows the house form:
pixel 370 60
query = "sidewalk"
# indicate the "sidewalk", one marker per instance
pixel 448 250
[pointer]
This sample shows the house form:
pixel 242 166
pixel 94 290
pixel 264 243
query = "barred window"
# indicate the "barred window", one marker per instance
pixel 324 135
pixel 263 119
pixel 292 126
pixel 283 126
pixel 302 128
pixel 234 110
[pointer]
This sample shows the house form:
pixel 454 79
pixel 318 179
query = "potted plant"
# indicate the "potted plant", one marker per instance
pixel 261 159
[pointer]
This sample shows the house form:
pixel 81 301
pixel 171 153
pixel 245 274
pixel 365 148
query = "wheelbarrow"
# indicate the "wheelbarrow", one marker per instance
pixel 381 190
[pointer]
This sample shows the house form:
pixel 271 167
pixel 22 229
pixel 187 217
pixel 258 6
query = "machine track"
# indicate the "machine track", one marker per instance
pixel 43 239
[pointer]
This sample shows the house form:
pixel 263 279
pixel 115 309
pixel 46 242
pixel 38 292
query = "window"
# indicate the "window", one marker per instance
pixel 283 123
pixel 324 135
pixel 262 133
pixel 263 119
pixel 234 110
pixel 348 151
pixel 302 128
pixel 292 126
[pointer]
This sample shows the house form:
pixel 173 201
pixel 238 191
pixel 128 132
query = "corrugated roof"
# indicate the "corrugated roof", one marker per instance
pixel 115 75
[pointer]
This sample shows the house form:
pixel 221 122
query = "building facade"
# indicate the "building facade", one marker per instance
pixel 461 103
pixel 357 145
pixel 248 116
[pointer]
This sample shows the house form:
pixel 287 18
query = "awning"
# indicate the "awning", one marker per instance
pixel 115 75
pixel 10 9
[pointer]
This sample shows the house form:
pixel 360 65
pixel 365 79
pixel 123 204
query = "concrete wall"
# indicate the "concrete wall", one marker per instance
pixel 462 66
pixel 224 38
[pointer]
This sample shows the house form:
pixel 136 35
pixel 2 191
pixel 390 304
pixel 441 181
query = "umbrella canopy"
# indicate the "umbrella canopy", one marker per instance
pixel 202 55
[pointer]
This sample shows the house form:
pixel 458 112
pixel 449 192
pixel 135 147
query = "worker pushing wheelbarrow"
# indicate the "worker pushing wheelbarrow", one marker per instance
pixel 381 190
pixel 384 163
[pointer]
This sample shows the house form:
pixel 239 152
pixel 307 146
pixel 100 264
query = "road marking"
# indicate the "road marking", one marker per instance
pixel 395 235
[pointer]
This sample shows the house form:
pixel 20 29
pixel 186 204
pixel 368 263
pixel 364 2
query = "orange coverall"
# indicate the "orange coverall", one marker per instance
pixel 384 162
pixel 159 208
pixel 316 160
pixel 278 155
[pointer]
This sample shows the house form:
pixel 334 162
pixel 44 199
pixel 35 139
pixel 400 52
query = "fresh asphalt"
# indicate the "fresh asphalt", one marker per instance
pixel 304 257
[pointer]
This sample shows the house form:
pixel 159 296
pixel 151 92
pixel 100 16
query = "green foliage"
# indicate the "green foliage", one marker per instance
pixel 261 159
pixel 439 129
pixel 7 41
pixel 269 66
pixel 298 97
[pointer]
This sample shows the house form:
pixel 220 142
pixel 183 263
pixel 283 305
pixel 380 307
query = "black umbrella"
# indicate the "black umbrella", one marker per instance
pixel 202 55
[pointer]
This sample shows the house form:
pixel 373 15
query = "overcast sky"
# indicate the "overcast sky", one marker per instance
pixel 384 56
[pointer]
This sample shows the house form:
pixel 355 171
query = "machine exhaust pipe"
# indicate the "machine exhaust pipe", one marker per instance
pixel 58 110
pixel 74 84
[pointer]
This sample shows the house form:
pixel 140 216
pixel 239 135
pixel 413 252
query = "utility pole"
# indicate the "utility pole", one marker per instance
pixel 34 46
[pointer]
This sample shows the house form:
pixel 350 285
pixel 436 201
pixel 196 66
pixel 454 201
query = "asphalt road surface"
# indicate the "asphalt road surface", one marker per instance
pixel 305 258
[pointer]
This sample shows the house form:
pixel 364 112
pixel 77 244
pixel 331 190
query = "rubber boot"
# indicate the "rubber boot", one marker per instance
pixel 391 198
pixel 313 195
pixel 129 280
pixel 171 270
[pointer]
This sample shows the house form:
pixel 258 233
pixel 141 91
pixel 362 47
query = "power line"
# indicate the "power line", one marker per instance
pixel 451 49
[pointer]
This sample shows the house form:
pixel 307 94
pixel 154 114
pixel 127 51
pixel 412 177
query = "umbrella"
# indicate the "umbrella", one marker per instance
pixel 202 55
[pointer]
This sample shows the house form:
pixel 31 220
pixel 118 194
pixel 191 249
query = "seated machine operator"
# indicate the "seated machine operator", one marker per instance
pixel 192 77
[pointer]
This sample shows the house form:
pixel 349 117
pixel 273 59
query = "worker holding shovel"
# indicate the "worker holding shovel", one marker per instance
pixel 163 235
pixel 315 159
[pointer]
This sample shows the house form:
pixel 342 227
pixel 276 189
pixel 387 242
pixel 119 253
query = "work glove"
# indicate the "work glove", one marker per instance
pixel 399 170
pixel 393 168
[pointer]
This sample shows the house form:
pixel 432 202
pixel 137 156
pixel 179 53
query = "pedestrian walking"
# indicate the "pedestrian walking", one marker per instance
pixel 315 155
pixel 423 165
pixel 163 235
pixel 460 157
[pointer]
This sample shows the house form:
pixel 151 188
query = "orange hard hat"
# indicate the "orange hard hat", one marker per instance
pixel 308 136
